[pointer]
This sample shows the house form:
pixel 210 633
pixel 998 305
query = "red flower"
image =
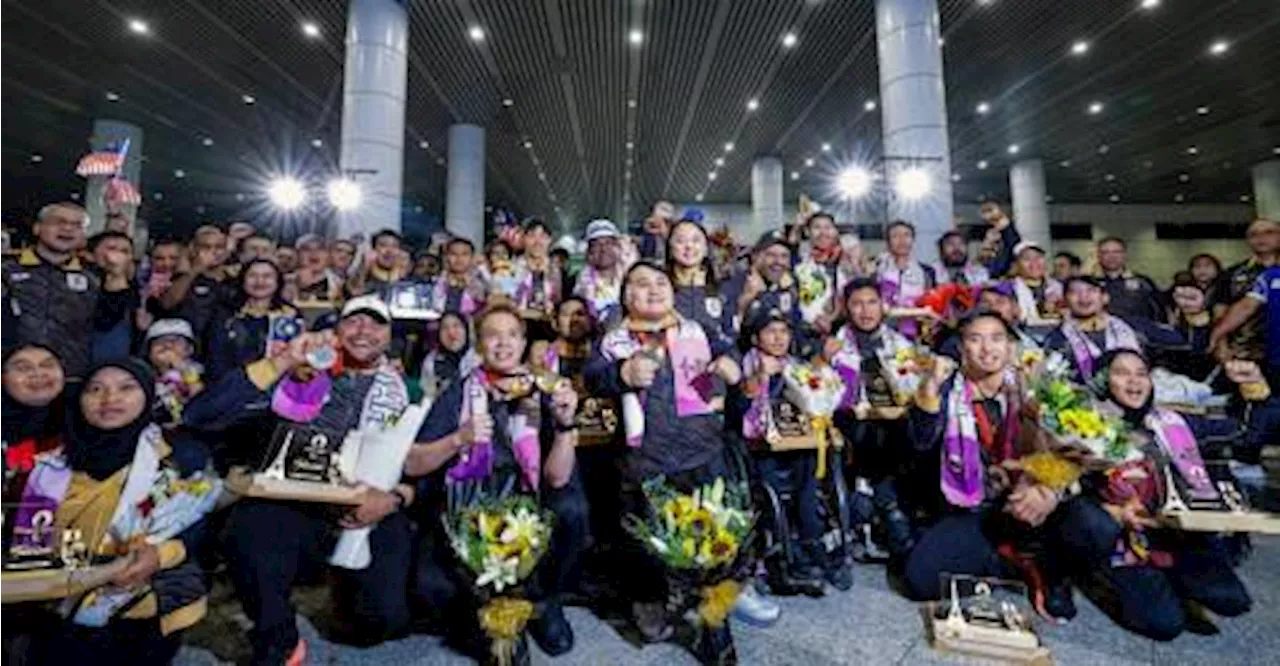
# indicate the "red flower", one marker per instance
pixel 21 457
pixel 814 382
pixel 146 505
pixel 902 371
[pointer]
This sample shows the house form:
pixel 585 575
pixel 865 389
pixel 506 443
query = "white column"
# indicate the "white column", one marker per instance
pixel 1266 189
pixel 373 101
pixel 1030 212
pixel 464 194
pixel 913 113
pixel 766 197
pixel 109 135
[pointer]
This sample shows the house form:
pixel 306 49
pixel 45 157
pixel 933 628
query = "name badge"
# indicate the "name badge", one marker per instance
pixel 77 282
pixel 201 290
pixel 784 300
pixel 1275 283
pixel 19 276
pixel 1132 284
pixel 714 306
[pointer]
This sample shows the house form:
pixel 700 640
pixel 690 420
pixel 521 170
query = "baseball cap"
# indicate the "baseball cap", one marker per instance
pixel 1087 279
pixel 770 238
pixel 370 305
pixel 601 228
pixel 163 328
pixel 1002 288
pixel 763 317
pixel 1027 245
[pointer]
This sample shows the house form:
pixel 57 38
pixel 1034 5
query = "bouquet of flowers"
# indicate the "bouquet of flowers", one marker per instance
pixel 814 290
pixel 503 280
pixel 500 542
pixel 818 390
pixel 700 537
pixel 902 368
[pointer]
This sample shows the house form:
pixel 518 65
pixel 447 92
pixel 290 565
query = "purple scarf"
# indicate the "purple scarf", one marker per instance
pixel 522 432
pixel 1179 443
pixel 1119 335
pixel 963 473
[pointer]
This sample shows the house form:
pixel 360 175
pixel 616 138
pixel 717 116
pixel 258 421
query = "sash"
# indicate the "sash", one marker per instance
pixel 901 287
pixel 1027 301
pixel 972 272
pixel 963 472
pixel 1179 443
pixel 1119 335
pixel 523 426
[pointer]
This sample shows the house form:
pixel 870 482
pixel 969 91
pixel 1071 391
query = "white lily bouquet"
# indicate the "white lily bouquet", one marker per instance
pixel 817 390
pixel 902 367
pixel 815 290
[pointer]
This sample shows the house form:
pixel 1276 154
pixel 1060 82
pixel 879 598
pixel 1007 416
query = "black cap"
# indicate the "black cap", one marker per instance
pixel 769 239
pixel 1087 279
pixel 762 317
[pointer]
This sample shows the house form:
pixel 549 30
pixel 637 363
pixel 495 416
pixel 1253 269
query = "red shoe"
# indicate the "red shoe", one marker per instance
pixel 299 655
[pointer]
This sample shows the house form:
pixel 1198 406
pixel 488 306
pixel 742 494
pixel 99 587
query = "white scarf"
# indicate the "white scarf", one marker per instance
pixel 1027 299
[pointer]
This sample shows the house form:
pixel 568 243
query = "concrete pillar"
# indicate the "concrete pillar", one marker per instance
pixel 464 194
pixel 1030 212
pixel 1266 189
pixel 766 197
pixel 108 136
pixel 913 113
pixel 373 102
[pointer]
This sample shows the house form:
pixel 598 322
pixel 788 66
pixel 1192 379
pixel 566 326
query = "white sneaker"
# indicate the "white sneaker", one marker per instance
pixel 754 608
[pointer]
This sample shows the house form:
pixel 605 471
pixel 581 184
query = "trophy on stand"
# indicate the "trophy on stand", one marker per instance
pixel 304 464
pixel 1223 508
pixel 411 301
pixel 980 617
pixel 42 562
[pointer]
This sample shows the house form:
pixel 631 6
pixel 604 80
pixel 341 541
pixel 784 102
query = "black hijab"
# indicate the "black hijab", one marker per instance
pixel 101 453
pixel 1102 386
pixel 22 421
pixel 447 362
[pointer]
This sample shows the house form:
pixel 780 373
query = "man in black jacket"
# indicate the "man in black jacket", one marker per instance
pixel 1132 295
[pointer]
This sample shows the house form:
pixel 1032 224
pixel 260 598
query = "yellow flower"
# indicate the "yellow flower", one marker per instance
pixel 1050 470
pixel 689 547
pixel 903 355
pixel 699 522
pixel 1082 422
pixel 678 508
pixel 721 549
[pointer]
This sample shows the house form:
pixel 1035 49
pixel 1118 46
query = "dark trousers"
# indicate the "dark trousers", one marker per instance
pixel 120 643
pixel 793 471
pixel 270 545
pixel 444 590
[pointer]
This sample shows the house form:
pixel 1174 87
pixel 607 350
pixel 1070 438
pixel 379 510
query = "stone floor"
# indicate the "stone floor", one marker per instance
pixel 868 625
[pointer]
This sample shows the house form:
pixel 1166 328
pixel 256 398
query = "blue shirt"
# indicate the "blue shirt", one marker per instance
pixel 1266 290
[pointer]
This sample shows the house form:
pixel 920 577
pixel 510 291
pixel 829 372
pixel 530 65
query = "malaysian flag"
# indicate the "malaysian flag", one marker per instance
pixel 119 192
pixel 103 163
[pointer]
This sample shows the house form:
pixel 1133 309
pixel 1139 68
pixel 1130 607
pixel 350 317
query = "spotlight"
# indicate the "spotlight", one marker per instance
pixel 476 33
pixel 139 27
pixel 1013 149
pixel 854 182
pixel 826 147
pixel 1095 108
pixel 789 40
pixel 983 108
pixel 311 30
pixel 1150 4
pixel 1219 47
pixel 913 184
pixel 1080 48
pixel 635 37
pixel 869 105
pixel 728 147
pixel 286 193
pixel 344 193
pixel 753 104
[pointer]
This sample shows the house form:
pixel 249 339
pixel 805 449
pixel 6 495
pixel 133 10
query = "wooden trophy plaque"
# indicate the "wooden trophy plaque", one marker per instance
pixel 984 627
pixel 35 570
pixel 305 464
pixel 1228 512
pixel 790 428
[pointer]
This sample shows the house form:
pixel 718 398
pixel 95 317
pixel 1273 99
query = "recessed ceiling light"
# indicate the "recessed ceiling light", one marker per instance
pixel 310 29
pixel 1095 108
pixel 711 175
pixel 1115 198
pixel 248 99
pixel 627 175
pixel 630 161
pixel 112 97
pixel 1275 151
pixel 631 104
pixel 826 147
pixel 719 161
pixel 789 40
pixel 200 210
pixel 1148 164
pixel 75 196
pixel 1109 177
pixel 1013 149
pixel 417 209
pixel 808 162
pixel 157 196
pixel 1104 149
pixel 476 33
pixel 983 108
pixel 37 158
pixel 317 143
pixel 179 173
pixel 1244 198
pixel 942 41
pixel 508 102
pixel 1183 178
pixel 1079 47
pixel 1219 47
pixel 206 142
pixel 1192 150
pixel 542 175
pixel 1048 198
pixel 795 175
pixel 139 27
pixel 424 145
pixel 635 37
pixel 869 105
pixel 728 147
pixel 955 177
pixel 1150 4
pixel 1202 110
pixel 982 164
pixel 239 196
pixel 631 145
pixel 528 144
pixel 753 104
pixel 1064 164
pixel 1179 197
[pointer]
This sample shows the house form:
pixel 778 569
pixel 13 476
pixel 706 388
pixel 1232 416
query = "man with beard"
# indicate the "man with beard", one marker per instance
pixel 600 282
pixel 200 291
pixel 51 299
pixel 270 543
pixel 1090 329
pixel 769 285
pixel 955 265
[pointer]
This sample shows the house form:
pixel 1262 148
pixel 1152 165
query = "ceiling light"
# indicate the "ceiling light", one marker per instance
pixel 631 145
pixel 982 164
pixel 344 193
pixel 112 97
pixel 1184 178
pixel 542 175
pixel 826 147
pixel 697 197
pixel 528 144
pixel 795 175
pixel 286 193
pixel 1150 4
pixel 37 158
pixel 1148 164
pixel 1109 177
pixel 139 27
pixel 753 104
pixel 1219 47
pixel 1192 150
pixel 206 142
pixel 1202 110
pixel 853 182
pixel 728 147
pixel 1179 197
pixel 1064 164
pixel 157 195
pixel 1013 149
pixel 200 209
pixel 635 37
pixel 631 104
pixel 1104 149
pixel 179 173
pixel 983 108
pixel 1275 151
pixel 248 99
pixel 317 143
pixel 942 41
pixel 869 105
pixel 808 162
pixel 711 175
pixel 913 184
pixel 627 175
pixel 1115 198
pixel 1095 108
pixel 719 161
pixel 476 33
pixel 310 29
pixel 789 40
pixel 508 102
pixel 1048 198
pixel 1080 47
pixel 955 177
pixel 1244 198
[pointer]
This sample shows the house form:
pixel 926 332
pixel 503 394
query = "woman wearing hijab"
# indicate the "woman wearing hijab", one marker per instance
pixel 1159 580
pixel 452 356
pixel 32 407
pixel 260 316
pixel 131 495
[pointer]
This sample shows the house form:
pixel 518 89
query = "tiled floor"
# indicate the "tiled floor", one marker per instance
pixel 872 625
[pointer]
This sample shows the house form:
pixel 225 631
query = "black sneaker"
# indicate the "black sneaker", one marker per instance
pixel 1059 602
pixel 840 576
pixel 551 631
pixel 651 620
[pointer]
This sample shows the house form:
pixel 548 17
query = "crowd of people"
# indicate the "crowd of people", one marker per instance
pixel 134 384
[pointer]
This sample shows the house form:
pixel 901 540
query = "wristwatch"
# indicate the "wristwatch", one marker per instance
pixel 561 428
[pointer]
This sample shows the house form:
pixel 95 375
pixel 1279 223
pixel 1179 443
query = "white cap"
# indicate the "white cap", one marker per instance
pixel 601 228
pixel 370 305
pixel 163 328
pixel 1027 245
